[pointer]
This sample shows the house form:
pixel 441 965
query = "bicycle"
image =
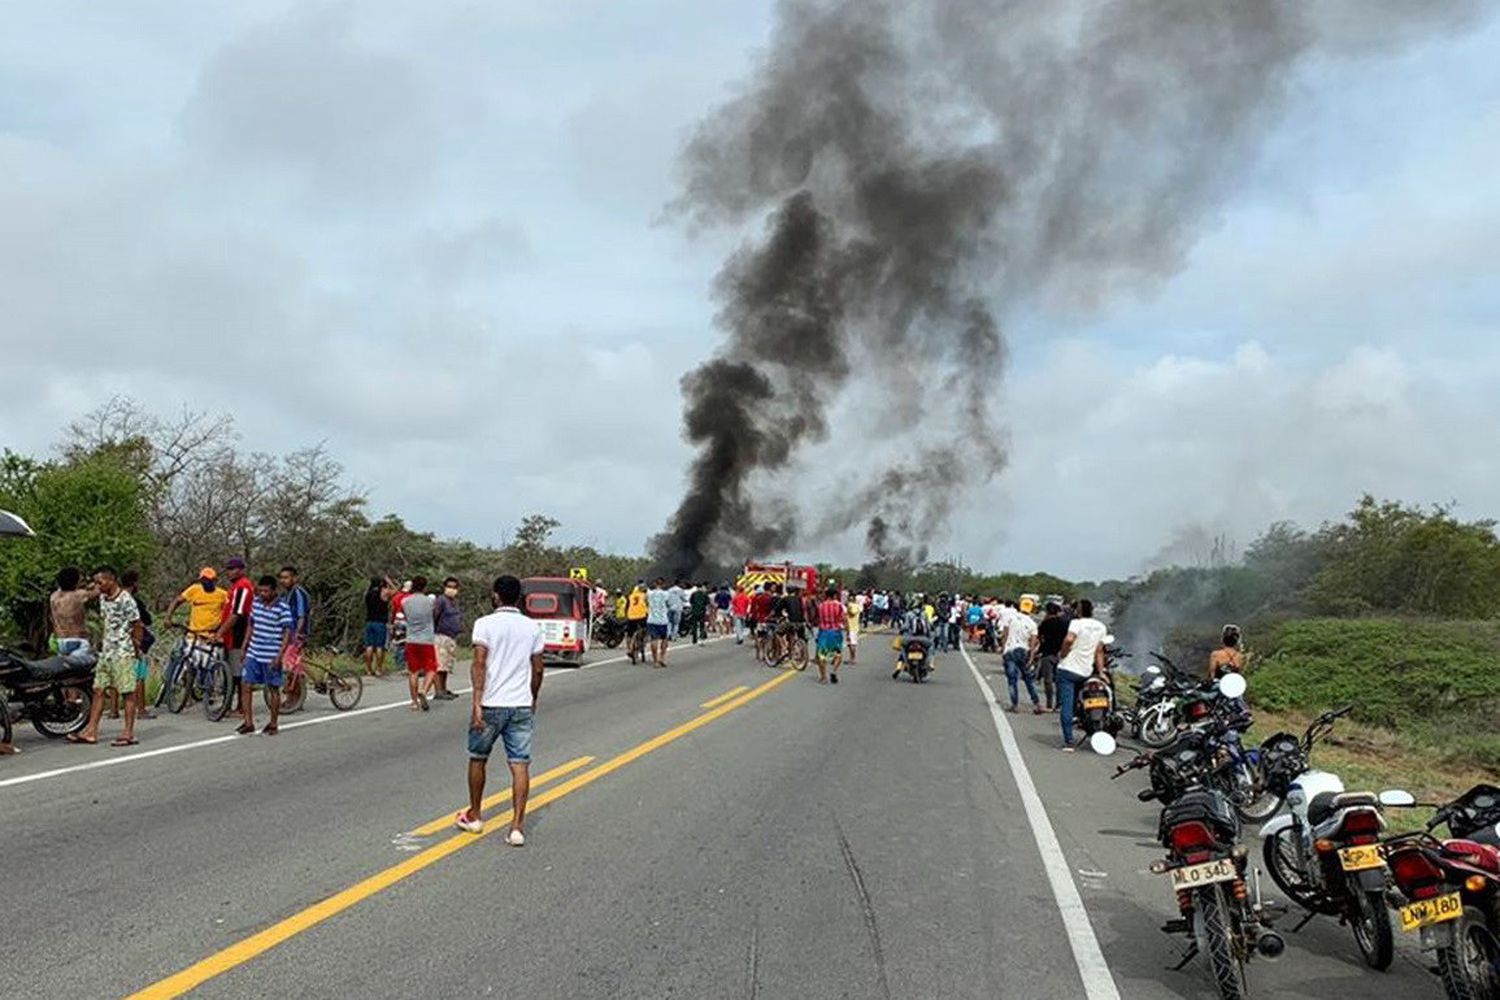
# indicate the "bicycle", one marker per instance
pixel 344 686
pixel 196 670
pixel 790 643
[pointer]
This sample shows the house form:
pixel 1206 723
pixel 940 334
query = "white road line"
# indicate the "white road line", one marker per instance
pixel 93 765
pixel 1098 983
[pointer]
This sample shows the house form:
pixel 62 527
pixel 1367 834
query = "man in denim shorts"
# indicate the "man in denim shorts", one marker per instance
pixel 507 677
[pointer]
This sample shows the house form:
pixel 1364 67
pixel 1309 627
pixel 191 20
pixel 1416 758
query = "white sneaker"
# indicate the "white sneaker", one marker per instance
pixel 515 838
pixel 464 823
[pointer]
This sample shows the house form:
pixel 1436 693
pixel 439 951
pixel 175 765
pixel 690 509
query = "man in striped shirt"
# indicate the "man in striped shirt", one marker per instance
pixel 832 621
pixel 265 645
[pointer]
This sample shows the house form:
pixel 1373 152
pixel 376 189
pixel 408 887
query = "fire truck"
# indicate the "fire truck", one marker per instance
pixel 804 578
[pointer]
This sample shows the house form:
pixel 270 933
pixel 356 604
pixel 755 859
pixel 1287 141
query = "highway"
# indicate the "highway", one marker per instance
pixel 715 829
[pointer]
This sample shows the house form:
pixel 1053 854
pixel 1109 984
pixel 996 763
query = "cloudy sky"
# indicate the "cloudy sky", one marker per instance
pixel 430 237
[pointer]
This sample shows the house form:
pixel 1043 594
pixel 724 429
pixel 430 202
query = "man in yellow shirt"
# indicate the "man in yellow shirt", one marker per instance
pixel 205 600
pixel 636 610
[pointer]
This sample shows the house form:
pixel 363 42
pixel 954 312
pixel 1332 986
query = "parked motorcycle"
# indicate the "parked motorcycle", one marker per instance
pixel 1097 710
pixel 1218 895
pixel 54 693
pixel 1449 890
pixel 609 631
pixel 1324 851
pixel 1162 686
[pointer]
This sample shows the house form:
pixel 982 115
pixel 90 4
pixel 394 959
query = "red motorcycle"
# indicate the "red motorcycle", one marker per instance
pixel 1451 889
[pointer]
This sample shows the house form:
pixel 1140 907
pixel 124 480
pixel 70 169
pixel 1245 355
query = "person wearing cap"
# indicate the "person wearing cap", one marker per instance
pixel 205 601
pixel 236 621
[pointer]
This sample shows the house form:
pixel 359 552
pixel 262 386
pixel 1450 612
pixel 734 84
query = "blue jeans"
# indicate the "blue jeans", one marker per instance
pixel 1067 693
pixel 1015 670
pixel 674 623
pixel 513 727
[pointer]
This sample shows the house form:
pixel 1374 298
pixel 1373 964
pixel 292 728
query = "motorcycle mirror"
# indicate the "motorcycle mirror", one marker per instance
pixel 1233 685
pixel 1102 744
pixel 1397 798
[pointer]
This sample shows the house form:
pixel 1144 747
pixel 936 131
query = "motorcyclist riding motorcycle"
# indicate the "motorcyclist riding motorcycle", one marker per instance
pixel 914 646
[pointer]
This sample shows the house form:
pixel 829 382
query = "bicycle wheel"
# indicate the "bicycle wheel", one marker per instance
pixel 293 693
pixel 797 650
pixel 344 689
pixel 178 689
pixel 214 682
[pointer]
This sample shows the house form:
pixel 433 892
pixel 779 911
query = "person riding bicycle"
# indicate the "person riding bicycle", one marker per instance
pixel 205 601
pixel 791 614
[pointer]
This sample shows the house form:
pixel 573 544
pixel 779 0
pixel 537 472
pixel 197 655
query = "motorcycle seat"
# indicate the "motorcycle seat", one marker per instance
pixel 1479 855
pixel 1325 804
pixel 59 666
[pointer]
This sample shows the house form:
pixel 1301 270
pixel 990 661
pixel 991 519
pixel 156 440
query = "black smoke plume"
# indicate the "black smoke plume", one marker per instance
pixel 921 168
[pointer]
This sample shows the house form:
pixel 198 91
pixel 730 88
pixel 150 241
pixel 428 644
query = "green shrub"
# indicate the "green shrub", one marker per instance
pixel 1435 681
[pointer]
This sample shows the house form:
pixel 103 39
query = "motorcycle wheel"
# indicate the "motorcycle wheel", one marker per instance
pixel 5 731
pixel 1218 940
pixel 1279 854
pixel 1471 968
pixel 613 640
pixel 1253 802
pixel 62 713
pixel 1371 922
pixel 345 690
pixel 215 692
pixel 1157 729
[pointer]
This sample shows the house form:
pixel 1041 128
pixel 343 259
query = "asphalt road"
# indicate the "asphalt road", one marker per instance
pixel 866 840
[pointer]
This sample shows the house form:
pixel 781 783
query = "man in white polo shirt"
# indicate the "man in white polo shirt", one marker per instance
pixel 1082 654
pixel 507 677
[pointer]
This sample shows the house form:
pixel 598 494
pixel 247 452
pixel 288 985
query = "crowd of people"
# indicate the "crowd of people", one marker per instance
pixel 261 626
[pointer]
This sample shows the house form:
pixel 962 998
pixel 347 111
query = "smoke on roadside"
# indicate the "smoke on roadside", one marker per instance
pixel 910 174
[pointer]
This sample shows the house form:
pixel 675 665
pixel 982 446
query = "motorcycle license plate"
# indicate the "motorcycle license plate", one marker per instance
pixel 1432 911
pixel 1193 876
pixel 1089 704
pixel 916 657
pixel 1358 859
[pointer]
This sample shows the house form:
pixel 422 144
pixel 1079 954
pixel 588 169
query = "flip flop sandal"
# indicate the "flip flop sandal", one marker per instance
pixel 123 742
pixel 77 740
pixel 245 730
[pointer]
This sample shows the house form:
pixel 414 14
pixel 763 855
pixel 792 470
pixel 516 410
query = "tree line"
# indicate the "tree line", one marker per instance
pixel 168 496
pixel 1382 558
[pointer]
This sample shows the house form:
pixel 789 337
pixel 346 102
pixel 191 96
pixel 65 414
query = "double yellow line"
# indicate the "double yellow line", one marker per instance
pixel 259 943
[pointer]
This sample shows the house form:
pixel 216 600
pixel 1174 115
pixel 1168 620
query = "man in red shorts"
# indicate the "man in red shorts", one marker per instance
pixel 761 604
pixel 421 643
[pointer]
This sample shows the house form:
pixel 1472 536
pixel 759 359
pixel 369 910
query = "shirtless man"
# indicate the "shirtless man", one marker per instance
pixel 66 608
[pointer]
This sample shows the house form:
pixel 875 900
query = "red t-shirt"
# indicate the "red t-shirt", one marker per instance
pixel 739 604
pixel 241 597
pixel 760 607
pixel 833 616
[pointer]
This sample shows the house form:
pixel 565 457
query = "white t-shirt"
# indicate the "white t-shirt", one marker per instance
pixel 511 640
pixel 1087 634
pixel 1022 631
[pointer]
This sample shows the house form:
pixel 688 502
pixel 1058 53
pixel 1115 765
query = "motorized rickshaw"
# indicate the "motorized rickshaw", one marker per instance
pixel 564 609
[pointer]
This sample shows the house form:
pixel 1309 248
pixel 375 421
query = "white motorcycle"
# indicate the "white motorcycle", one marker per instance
pixel 1324 851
